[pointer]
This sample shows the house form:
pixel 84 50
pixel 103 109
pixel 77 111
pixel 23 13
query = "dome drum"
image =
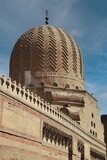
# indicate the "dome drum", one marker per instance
pixel 61 81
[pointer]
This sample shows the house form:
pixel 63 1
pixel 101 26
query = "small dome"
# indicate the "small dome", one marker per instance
pixel 51 56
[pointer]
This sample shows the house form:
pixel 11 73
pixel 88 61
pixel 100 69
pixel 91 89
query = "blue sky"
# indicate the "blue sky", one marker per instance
pixel 85 20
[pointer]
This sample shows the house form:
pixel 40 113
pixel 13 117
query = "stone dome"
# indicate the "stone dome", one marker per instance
pixel 50 56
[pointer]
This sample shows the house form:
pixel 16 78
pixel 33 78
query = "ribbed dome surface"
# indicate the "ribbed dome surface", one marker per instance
pixel 47 49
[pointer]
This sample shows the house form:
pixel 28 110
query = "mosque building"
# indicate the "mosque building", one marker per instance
pixel 46 113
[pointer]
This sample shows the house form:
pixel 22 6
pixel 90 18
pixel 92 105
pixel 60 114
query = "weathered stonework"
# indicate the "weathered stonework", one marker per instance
pixel 21 139
pixel 52 57
pixel 52 117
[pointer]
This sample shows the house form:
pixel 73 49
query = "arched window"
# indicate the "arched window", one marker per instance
pixel 90 131
pixel 91 123
pixel 77 87
pixel 92 115
pixel 42 84
pixel 67 86
pixel 55 84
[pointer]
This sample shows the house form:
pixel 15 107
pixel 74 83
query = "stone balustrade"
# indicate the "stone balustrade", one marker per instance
pixel 33 101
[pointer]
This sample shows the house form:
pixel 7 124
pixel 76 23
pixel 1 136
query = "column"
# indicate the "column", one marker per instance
pixel 75 154
pixel 87 151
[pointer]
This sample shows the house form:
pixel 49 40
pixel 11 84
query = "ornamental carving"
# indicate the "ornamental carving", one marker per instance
pixel 55 136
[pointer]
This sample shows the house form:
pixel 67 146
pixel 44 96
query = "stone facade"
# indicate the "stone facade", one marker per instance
pixel 104 121
pixel 52 117
pixel 31 128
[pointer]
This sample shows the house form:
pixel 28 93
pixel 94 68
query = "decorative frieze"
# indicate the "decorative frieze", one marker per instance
pixel 96 154
pixel 53 135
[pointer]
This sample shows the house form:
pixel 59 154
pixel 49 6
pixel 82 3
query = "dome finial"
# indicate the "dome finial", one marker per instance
pixel 46 18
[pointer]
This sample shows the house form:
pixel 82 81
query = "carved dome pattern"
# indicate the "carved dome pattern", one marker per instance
pixel 47 49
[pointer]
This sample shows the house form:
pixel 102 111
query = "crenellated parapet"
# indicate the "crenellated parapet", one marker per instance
pixel 31 100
